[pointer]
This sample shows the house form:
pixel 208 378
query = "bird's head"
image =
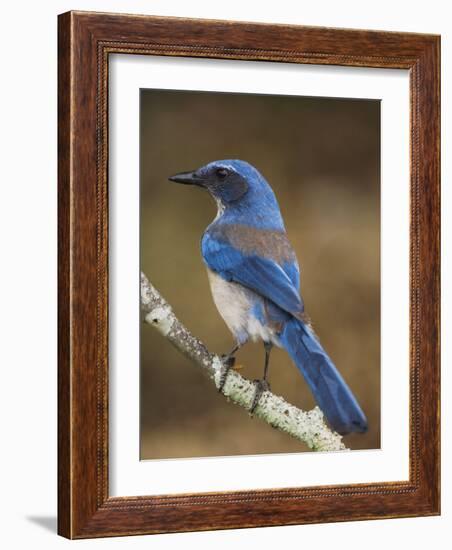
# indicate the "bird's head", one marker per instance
pixel 228 181
pixel 239 190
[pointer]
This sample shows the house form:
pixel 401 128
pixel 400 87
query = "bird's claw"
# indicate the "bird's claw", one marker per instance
pixel 228 362
pixel 261 387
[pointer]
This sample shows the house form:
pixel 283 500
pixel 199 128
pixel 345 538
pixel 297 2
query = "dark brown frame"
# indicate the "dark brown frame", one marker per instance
pixel 85 41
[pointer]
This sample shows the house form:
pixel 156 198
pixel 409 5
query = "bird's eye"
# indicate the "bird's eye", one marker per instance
pixel 222 173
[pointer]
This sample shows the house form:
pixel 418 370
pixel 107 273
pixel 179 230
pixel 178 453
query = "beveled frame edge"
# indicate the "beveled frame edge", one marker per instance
pixel 85 41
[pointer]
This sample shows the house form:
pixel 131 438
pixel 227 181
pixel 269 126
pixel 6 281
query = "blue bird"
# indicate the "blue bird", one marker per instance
pixel 255 282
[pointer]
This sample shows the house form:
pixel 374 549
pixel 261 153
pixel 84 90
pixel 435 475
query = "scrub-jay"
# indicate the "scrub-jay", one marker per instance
pixel 255 279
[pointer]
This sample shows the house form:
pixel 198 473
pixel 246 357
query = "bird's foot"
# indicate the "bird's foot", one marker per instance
pixel 261 387
pixel 228 362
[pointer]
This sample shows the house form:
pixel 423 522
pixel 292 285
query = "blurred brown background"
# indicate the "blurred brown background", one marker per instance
pixel 322 158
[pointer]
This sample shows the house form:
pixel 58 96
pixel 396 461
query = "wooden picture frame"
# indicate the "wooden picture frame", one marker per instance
pixel 85 42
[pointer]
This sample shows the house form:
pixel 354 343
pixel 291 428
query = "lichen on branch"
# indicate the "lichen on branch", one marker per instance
pixel 306 426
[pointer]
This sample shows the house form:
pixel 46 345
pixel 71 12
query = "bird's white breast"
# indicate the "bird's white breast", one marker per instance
pixel 234 303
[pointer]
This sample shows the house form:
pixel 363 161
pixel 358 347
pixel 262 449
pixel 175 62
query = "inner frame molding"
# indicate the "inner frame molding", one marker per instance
pixel 85 41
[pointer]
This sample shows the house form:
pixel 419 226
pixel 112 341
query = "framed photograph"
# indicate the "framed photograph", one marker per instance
pixel 248 275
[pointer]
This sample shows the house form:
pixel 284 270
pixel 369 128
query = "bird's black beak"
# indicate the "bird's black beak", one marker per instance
pixel 188 178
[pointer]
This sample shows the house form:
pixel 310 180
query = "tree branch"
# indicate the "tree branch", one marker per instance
pixel 308 427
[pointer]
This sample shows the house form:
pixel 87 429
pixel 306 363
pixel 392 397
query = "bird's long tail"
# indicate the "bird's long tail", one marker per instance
pixel 331 392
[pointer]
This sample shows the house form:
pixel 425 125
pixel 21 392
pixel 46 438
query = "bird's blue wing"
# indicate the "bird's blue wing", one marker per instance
pixel 263 275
